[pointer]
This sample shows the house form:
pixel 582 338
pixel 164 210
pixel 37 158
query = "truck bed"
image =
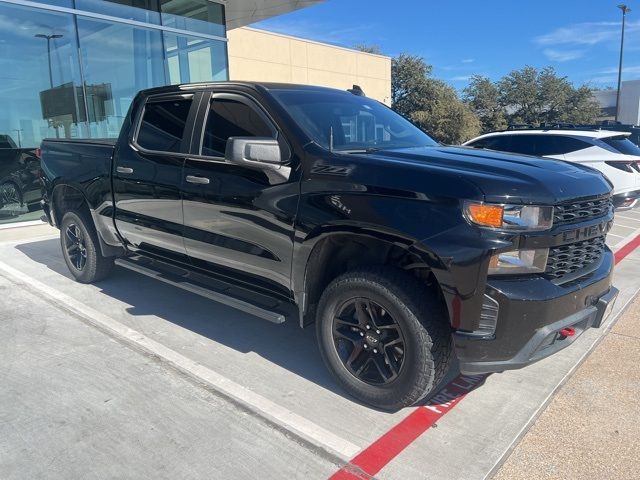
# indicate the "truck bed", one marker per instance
pixel 81 163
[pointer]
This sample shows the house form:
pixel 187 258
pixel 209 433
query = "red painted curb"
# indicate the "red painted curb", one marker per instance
pixel 371 460
pixel 627 248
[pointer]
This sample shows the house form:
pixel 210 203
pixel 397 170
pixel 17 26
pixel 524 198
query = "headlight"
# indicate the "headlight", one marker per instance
pixel 509 217
pixel 519 262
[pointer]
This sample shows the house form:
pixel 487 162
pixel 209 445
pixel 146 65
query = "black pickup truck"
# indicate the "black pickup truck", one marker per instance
pixel 19 177
pixel 290 201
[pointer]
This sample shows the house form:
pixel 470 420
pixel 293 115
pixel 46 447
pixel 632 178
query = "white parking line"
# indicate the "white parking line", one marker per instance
pixel 626 239
pixel 633 219
pixel 280 416
pixel 29 223
pixel 619 225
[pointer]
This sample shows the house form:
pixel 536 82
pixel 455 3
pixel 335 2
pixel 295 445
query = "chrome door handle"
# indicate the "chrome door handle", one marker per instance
pixel 199 180
pixel 124 170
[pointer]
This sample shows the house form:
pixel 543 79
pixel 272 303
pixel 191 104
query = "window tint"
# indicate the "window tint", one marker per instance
pixel 349 122
pixel 499 143
pixel 622 144
pixel 482 143
pixel 559 145
pixel 231 118
pixel 163 125
pixel 523 144
pixel 538 145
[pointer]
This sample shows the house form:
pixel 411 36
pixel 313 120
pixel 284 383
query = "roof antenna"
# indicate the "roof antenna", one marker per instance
pixel 331 139
pixel 356 90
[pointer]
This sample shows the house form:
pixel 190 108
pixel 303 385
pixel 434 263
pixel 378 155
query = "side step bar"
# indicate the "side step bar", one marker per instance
pixel 270 309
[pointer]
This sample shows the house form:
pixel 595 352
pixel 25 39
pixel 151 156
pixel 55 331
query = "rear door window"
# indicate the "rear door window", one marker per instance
pixel 163 125
pixel 523 144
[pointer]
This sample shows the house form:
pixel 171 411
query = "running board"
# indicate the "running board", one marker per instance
pixel 259 305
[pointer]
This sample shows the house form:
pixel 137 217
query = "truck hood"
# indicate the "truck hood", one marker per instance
pixel 500 177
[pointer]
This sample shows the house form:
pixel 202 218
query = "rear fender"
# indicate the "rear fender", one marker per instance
pixel 73 198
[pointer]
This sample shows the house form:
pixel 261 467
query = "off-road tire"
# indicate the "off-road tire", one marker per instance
pixel 424 323
pixel 97 266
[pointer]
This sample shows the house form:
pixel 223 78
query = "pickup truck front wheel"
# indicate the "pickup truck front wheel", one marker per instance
pixel 81 249
pixel 384 335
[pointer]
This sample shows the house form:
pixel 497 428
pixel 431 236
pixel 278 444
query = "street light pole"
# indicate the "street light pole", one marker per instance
pixel 625 10
pixel 49 38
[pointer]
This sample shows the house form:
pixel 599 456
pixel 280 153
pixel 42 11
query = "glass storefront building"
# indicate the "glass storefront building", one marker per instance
pixel 70 69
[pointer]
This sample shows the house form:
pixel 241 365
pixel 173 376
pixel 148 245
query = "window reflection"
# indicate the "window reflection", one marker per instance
pixel 134 62
pixel 191 59
pixel 47 63
pixel 140 10
pixel 38 57
pixel 49 89
pixel 200 16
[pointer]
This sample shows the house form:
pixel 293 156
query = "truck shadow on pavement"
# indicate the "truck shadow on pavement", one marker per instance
pixel 286 345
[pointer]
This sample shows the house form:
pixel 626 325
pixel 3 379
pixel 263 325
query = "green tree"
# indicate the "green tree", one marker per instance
pixel 582 106
pixel 483 97
pixel 368 48
pixel 519 93
pixel 540 96
pixel 431 104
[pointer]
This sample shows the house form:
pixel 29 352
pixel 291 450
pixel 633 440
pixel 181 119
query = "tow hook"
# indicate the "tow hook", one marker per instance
pixel 567 332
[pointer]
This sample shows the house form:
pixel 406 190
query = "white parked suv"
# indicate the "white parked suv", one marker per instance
pixel 608 151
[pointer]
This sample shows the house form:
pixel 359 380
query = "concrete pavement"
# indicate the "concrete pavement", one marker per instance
pixel 252 370
pixel 75 403
pixel 590 429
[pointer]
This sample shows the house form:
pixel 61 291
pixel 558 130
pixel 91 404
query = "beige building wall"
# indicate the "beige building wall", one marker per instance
pixel 271 57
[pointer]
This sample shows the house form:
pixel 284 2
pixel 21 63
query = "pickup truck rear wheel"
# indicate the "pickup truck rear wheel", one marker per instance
pixel 384 335
pixel 81 248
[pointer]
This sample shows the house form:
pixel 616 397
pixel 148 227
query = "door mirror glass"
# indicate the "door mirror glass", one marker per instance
pixel 258 152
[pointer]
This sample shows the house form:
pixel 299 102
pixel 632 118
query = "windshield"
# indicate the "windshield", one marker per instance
pixel 356 123
pixel 622 144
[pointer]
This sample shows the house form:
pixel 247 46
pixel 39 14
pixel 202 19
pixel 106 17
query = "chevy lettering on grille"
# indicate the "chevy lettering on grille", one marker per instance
pixel 587 232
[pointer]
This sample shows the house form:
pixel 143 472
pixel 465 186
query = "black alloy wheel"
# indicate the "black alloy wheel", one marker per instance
pixel 81 248
pixel 384 335
pixel 369 341
pixel 75 245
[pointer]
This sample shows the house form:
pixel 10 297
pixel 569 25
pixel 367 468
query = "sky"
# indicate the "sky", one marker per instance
pixel 580 39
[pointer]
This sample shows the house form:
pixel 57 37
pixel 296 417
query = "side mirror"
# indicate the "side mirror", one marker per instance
pixel 257 152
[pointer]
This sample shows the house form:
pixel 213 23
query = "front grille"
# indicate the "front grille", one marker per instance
pixel 567 259
pixel 579 211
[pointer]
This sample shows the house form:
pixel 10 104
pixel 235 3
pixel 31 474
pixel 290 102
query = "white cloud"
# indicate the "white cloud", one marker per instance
pixel 557 55
pixel 468 60
pixel 460 78
pixel 588 33
pixel 631 69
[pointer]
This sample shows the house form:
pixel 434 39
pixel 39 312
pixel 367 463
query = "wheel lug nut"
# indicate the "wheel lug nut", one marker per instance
pixel 366 346
pixel 368 327
pixel 362 334
pixel 375 350
pixel 378 332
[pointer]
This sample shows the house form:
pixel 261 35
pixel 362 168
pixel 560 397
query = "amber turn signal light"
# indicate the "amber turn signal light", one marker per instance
pixel 486 215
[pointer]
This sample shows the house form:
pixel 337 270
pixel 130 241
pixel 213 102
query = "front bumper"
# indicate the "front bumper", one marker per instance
pixel 532 313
